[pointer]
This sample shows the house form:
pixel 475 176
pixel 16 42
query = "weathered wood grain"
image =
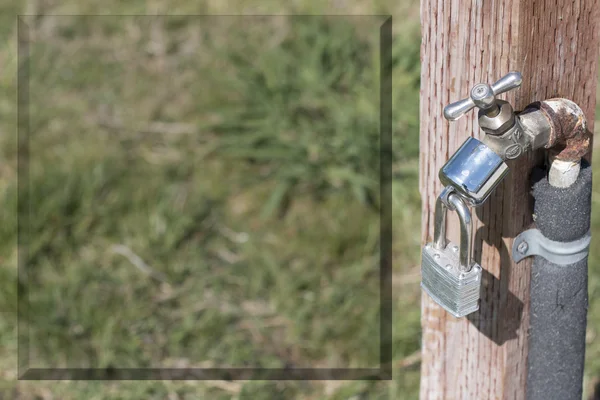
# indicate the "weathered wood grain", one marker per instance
pixel 555 46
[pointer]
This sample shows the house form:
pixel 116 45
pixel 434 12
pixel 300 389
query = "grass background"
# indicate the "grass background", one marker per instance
pixel 204 193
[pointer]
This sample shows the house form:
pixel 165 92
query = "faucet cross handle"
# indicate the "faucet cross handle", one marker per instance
pixel 483 96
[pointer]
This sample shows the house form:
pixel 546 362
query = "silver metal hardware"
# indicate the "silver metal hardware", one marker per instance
pixel 474 171
pixel 483 96
pixel 533 243
pixel 549 123
pixel 507 133
pixel 477 168
pixel 449 275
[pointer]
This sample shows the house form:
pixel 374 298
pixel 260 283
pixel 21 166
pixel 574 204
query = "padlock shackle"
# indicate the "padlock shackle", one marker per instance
pixel 439 228
pixel 466 228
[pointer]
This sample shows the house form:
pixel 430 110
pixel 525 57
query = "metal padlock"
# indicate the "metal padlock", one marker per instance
pixel 448 273
pixel 474 171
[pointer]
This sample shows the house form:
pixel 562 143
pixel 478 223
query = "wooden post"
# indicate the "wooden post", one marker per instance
pixel 554 44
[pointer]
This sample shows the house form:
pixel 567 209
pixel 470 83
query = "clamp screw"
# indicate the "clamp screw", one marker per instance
pixel 523 247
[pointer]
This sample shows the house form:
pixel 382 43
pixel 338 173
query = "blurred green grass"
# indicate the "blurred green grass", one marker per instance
pixel 204 192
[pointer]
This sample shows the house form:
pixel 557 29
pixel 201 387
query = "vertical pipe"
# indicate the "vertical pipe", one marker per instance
pixel 559 296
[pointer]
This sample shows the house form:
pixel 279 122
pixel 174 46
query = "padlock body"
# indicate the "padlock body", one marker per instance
pixel 457 292
pixel 474 171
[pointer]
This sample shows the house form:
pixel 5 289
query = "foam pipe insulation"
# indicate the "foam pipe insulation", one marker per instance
pixel 559 293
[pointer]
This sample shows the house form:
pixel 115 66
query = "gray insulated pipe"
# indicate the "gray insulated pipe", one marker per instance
pixel 559 293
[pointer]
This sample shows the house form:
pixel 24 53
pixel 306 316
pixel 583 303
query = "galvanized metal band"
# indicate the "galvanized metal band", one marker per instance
pixel 533 243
